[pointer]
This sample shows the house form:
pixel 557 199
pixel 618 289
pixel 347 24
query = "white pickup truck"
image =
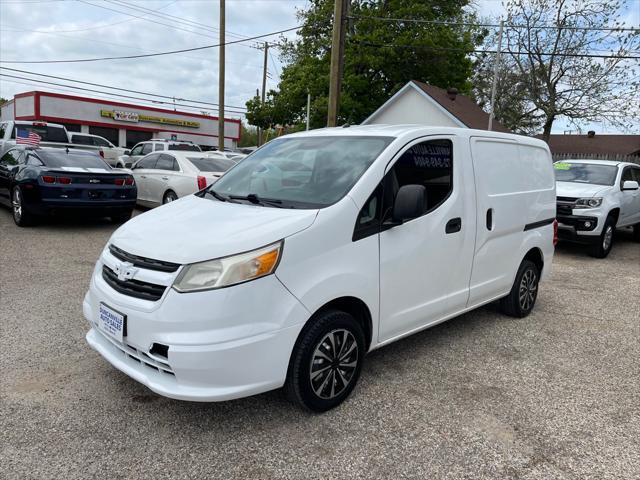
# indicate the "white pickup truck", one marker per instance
pixel 56 135
pixel 594 198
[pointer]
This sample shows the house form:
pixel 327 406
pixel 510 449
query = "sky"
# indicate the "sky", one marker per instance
pixel 69 29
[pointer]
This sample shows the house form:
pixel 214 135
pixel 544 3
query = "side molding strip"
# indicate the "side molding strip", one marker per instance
pixel 541 223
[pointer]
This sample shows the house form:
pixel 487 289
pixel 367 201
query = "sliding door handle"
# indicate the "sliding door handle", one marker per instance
pixel 490 219
pixel 454 225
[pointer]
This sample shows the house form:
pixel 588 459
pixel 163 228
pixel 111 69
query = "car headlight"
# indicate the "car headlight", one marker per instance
pixel 223 272
pixel 588 202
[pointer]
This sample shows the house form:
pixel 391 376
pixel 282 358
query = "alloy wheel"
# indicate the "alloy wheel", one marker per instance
pixel 528 289
pixel 333 363
pixel 17 204
pixel 607 238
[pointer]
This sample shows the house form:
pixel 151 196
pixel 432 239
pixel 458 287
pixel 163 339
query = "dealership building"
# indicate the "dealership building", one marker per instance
pixel 123 124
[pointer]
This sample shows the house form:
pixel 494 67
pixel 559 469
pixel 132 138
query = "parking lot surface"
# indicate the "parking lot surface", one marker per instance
pixel 555 395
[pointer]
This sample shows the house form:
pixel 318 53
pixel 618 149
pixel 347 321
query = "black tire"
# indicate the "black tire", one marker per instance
pixel 313 347
pixel 605 241
pixel 21 216
pixel 636 232
pixel 121 217
pixel 524 292
pixel 169 196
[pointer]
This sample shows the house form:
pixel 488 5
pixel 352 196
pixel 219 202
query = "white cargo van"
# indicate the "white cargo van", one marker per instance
pixel 316 249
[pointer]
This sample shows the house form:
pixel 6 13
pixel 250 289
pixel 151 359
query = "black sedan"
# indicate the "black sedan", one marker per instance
pixel 36 182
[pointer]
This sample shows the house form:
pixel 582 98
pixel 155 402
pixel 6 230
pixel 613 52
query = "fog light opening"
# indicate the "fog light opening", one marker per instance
pixel 159 350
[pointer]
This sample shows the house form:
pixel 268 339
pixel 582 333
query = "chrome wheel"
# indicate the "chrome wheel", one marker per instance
pixel 333 363
pixel 17 204
pixel 607 238
pixel 170 197
pixel 528 290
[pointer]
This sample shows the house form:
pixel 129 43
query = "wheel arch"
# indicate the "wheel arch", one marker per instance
pixel 615 213
pixel 536 256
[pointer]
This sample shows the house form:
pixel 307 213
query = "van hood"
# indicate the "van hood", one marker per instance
pixel 194 229
pixel 579 190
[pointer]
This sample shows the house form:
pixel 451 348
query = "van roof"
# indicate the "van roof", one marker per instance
pixel 413 129
pixel 595 162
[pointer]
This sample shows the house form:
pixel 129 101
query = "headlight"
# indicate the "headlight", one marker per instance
pixel 223 272
pixel 588 203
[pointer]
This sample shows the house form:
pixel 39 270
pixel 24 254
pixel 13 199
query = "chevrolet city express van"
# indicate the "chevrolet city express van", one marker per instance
pixel 318 248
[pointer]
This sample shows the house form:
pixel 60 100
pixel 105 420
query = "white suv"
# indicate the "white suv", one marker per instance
pixel 594 198
pixel 155 145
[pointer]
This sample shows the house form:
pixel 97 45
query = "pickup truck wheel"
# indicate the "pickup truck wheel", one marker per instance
pixel 21 216
pixel 605 242
pixel 524 292
pixel 169 197
pixel 326 361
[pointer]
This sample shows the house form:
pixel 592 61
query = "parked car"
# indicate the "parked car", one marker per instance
pixel 252 284
pixel 105 148
pixel 129 157
pixel 235 156
pixel 42 181
pixel 51 134
pixel 165 177
pixel 594 198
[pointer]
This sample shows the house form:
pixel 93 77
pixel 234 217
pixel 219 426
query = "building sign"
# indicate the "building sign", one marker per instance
pixel 125 116
pixel 136 117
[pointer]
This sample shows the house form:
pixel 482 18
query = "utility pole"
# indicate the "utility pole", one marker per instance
pixel 496 71
pixel 221 81
pixel 340 10
pixel 264 84
pixel 308 107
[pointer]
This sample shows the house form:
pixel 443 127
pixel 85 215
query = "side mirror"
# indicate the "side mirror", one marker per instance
pixel 127 153
pixel 630 185
pixel 409 203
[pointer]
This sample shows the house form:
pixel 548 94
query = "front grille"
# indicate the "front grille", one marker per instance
pixel 567 199
pixel 143 262
pixel 133 288
pixel 564 205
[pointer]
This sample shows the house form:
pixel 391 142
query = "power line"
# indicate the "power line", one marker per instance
pixel 511 52
pixel 115 88
pixel 110 93
pixel 170 52
pixel 493 25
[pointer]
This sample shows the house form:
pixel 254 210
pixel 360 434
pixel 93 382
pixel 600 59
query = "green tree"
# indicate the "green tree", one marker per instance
pixel 380 57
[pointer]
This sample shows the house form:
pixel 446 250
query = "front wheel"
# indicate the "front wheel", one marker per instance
pixel 605 242
pixel 524 292
pixel 21 216
pixel 326 361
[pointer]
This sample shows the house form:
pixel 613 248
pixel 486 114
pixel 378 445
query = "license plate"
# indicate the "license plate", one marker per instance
pixel 111 322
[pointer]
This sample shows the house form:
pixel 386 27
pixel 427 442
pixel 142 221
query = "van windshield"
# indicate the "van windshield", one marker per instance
pixel 585 173
pixel 300 172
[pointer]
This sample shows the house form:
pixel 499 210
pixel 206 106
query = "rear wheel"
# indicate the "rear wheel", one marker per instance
pixel 121 217
pixel 524 292
pixel 169 197
pixel 21 216
pixel 326 361
pixel 605 242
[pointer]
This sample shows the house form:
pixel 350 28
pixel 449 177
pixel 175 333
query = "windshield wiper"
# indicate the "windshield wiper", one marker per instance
pixel 215 194
pixel 256 200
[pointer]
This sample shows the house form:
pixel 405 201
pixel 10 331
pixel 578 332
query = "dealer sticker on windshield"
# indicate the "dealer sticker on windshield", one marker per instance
pixel 562 166
pixel 111 322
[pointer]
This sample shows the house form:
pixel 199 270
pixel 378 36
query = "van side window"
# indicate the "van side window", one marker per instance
pixel 429 164
pixel 369 218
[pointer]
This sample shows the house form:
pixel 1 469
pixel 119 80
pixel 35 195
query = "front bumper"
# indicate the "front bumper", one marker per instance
pixel 222 344
pixel 578 228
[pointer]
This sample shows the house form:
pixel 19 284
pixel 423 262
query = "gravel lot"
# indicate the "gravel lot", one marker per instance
pixel 552 396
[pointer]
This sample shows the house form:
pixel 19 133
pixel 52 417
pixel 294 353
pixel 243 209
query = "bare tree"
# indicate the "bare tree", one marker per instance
pixel 555 48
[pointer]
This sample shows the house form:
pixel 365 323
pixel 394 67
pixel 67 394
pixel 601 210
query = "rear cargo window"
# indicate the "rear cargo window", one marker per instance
pixel 185 147
pixel 72 159
pixel 47 133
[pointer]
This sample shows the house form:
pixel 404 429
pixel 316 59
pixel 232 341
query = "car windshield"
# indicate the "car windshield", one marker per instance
pixel 61 158
pixel 211 164
pixel 301 172
pixel 585 173
pixel 185 147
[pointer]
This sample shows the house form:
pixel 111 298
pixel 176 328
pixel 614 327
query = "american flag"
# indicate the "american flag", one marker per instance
pixel 27 137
